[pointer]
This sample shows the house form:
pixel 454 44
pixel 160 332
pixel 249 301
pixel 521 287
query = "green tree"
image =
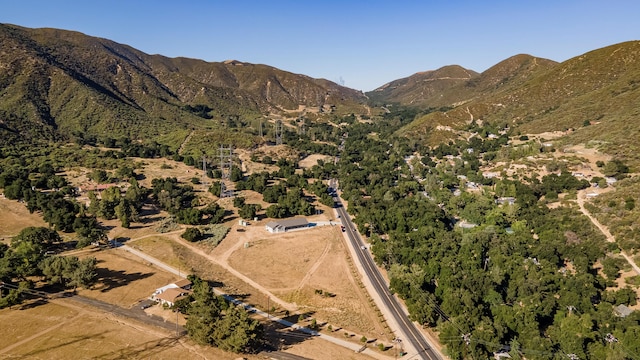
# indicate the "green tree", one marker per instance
pixel 215 188
pixel 203 314
pixel 248 211
pixel 99 176
pixel 192 234
pixel 123 212
pixel 236 331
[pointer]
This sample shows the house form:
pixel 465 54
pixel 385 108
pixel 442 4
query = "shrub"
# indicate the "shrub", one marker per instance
pixel 192 234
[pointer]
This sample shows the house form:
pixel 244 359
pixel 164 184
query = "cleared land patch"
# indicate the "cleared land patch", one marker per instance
pixel 14 217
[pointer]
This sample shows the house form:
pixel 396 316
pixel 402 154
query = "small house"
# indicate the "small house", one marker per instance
pixel 622 311
pixel 171 295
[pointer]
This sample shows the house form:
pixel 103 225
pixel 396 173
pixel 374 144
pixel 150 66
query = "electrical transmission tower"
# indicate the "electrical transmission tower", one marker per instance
pixel 279 130
pixel 226 164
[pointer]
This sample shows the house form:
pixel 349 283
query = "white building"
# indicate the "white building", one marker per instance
pixel 280 226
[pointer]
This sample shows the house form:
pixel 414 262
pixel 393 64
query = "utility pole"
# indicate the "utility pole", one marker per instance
pixel 279 130
pixel 177 332
pixel 204 172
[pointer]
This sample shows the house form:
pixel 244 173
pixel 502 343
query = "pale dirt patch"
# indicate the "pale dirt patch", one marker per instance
pixel 312 160
pixel 317 349
pixel 549 135
pixel 250 167
pixel 152 169
pixel 14 217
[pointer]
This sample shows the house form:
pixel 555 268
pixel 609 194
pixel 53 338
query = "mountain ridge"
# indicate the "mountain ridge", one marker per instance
pixel 600 88
pixel 64 82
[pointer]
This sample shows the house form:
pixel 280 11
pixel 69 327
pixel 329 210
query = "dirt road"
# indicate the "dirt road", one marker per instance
pixel 610 238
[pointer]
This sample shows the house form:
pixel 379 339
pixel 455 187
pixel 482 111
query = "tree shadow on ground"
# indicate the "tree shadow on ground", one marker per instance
pixel 121 239
pixel 280 337
pixel 73 340
pixel 112 279
pixel 30 304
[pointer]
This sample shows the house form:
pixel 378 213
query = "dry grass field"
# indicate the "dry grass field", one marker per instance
pixel 64 329
pixel 14 217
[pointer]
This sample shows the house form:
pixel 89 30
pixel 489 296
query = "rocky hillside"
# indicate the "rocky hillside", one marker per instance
pixel 56 83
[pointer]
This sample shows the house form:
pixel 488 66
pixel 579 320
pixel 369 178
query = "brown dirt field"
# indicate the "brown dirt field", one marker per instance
pixel 166 249
pixel 317 349
pixel 18 325
pixel 124 279
pixel 171 251
pixel 311 160
pixel 14 217
pixel 152 169
pixel 64 330
pixel 293 265
pixel 266 253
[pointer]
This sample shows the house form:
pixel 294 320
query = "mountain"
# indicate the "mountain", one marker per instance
pixel 594 96
pixel 424 88
pixel 57 83
pixel 453 85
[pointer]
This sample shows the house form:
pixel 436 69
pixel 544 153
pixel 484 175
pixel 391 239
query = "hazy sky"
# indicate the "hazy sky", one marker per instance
pixel 365 44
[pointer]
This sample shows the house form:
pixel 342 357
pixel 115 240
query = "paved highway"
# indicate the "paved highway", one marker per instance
pixel 411 334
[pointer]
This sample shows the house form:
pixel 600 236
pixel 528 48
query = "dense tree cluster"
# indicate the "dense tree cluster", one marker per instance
pixel 180 201
pixel 113 204
pixel 27 257
pixel 522 275
pixel 58 208
pixel 213 321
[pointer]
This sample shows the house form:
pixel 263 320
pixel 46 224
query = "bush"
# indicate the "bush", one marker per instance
pixel 192 234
